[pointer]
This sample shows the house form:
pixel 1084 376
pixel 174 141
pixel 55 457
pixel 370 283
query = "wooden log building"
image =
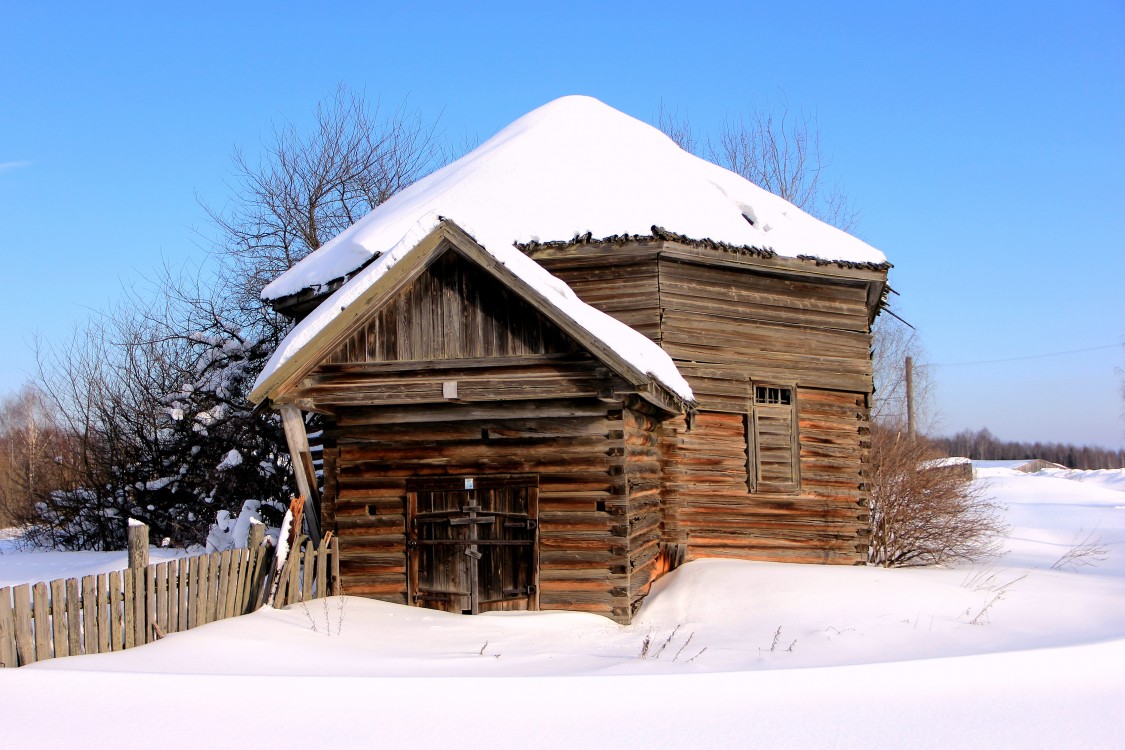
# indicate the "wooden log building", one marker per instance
pixel 487 447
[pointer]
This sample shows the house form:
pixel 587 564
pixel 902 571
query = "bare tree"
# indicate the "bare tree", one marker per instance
pixel 308 186
pixel 982 444
pixel 34 453
pixel 777 150
pixel 153 394
pixel 893 341
pixel 782 152
pixel 924 512
pixel 152 399
pixel 678 127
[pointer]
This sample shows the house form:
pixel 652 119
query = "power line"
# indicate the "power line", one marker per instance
pixel 1030 356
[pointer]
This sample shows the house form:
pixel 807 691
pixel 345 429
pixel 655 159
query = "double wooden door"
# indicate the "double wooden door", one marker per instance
pixel 472 543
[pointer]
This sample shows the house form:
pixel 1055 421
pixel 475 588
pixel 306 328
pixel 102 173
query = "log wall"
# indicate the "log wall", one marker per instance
pixel 772 328
pixel 576 448
pixel 645 510
pixel 711 509
pixel 728 325
pixel 500 379
pixel 628 289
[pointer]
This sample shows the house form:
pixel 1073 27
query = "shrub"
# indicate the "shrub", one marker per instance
pixel 922 513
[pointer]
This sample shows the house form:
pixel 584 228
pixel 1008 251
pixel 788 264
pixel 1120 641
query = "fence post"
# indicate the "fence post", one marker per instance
pixel 7 630
pixel 259 566
pixel 257 535
pixel 138 566
pixel 138 544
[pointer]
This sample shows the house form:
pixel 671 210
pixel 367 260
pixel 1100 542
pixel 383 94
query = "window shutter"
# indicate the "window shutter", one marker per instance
pixel 775 439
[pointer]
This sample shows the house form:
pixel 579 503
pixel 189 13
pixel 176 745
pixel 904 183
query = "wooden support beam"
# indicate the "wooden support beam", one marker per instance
pixel 303 468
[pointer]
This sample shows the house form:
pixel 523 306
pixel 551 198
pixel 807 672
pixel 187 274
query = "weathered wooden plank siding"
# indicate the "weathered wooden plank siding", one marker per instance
pixel 453 310
pixel 706 463
pixel 770 327
pixel 844 372
pixel 629 291
pixel 576 448
pixel 727 325
pixel 711 509
pixel 528 378
pixel 745 294
pixel 767 325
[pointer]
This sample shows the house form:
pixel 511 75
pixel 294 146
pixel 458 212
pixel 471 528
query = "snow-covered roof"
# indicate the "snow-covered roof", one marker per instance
pixel 572 167
pixel 611 339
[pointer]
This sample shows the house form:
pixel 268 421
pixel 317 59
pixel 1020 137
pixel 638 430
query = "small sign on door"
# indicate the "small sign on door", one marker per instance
pixel 469 483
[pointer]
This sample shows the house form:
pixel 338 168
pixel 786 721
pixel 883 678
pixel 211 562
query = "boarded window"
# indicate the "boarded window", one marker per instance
pixel 773 452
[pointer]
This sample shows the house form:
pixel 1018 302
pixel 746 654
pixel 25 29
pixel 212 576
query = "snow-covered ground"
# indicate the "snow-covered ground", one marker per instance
pixel 1012 652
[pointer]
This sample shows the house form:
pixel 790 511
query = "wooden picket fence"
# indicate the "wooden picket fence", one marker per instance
pixel 113 611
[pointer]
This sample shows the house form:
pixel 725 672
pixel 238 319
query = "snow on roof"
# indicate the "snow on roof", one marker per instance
pixel 574 166
pixel 636 349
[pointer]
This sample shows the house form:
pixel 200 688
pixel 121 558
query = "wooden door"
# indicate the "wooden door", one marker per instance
pixel 472 543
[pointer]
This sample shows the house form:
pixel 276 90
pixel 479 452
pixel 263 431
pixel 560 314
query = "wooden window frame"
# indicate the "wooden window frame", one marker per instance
pixel 753 457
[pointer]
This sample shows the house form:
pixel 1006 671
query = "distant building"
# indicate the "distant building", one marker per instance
pixel 1026 465
pixel 957 466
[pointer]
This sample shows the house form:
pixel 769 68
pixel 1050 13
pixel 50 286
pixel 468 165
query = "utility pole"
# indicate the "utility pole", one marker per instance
pixel 910 396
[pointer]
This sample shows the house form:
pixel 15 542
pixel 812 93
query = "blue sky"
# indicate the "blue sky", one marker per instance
pixel 983 143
